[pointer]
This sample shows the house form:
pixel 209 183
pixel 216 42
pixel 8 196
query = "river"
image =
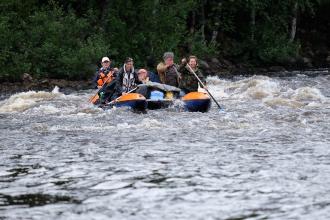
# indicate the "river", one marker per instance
pixel 266 156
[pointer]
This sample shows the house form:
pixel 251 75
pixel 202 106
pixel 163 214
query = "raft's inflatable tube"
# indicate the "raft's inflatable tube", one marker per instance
pixel 134 101
pixel 197 102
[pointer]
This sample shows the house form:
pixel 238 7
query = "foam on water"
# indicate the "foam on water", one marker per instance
pixel 217 87
pixel 277 101
pixel 308 94
pixel 265 157
pixel 271 144
pixel 269 91
pixel 22 101
pixel 25 100
pixel 56 90
pixel 48 103
pixel 146 123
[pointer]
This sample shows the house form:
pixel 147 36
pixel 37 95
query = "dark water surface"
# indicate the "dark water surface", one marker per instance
pixel 267 156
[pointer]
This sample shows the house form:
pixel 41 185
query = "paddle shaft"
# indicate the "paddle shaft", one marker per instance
pixel 92 98
pixel 200 81
pixel 113 101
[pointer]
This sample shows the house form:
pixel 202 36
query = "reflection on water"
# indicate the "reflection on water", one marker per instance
pixel 266 156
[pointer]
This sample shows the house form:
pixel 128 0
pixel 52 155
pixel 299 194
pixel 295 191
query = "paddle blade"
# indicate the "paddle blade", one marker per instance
pixel 221 110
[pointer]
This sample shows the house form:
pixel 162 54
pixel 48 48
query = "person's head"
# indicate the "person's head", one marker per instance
pixel 168 58
pixel 192 61
pixel 129 63
pixel 105 62
pixel 142 74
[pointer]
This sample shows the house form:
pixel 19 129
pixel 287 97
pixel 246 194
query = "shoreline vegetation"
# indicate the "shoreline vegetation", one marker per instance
pixel 61 42
pixel 27 83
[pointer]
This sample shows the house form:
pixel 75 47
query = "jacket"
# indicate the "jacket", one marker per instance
pixel 126 81
pixel 102 75
pixel 168 75
pixel 153 77
pixel 188 82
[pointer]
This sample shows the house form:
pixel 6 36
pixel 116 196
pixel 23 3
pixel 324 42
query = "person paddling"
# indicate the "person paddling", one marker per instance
pixel 105 74
pixel 168 70
pixel 127 78
pixel 189 82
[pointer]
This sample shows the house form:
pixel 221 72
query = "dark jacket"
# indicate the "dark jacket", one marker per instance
pixel 153 77
pixel 169 75
pixel 126 81
pixel 188 82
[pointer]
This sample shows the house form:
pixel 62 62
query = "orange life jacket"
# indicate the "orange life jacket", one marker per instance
pixel 105 78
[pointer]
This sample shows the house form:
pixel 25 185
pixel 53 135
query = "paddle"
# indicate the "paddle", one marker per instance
pixel 199 80
pixel 115 100
pixel 94 98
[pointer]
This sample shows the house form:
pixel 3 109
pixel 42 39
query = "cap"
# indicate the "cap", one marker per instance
pixel 168 55
pixel 104 59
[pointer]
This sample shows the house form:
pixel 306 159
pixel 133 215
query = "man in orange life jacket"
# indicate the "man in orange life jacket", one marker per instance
pixel 105 80
pixel 105 73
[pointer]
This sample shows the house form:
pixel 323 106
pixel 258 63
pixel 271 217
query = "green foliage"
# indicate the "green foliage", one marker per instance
pixel 201 48
pixel 275 47
pixel 49 43
pixel 62 45
pixel 66 38
pixel 145 28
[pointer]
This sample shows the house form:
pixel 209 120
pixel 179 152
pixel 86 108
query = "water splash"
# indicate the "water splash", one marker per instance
pixel 308 94
pixel 25 100
pixel 168 164
pixel 270 91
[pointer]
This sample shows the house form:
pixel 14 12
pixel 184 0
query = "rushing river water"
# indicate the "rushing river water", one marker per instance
pixel 267 156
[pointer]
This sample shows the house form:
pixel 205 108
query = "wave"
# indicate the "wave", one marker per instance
pixel 25 100
pixel 270 91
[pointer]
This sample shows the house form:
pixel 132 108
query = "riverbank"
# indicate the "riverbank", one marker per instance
pixel 225 68
pixel 66 86
pixel 222 69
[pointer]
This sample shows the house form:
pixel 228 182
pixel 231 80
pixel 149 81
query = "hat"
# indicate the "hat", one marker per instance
pixel 105 59
pixel 168 55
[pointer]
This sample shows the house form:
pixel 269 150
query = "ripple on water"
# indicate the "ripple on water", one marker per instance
pixel 265 157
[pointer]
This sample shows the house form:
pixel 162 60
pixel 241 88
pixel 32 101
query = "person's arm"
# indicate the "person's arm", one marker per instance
pixel 161 68
pixel 178 73
pixel 182 66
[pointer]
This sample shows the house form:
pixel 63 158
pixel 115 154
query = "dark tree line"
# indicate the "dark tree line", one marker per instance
pixel 66 38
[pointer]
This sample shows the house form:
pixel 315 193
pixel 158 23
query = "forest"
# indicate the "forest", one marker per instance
pixel 65 39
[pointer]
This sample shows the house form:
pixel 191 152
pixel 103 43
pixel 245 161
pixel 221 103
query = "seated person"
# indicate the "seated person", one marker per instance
pixel 105 73
pixel 189 82
pixel 167 70
pixel 127 78
pixel 147 76
pixel 153 89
